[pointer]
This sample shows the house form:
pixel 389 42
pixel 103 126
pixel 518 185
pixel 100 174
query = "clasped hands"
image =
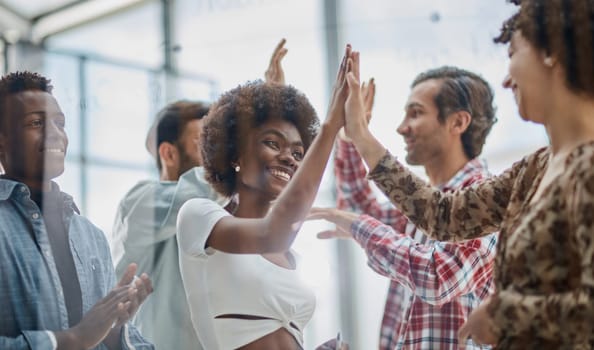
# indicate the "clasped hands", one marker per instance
pixel 104 321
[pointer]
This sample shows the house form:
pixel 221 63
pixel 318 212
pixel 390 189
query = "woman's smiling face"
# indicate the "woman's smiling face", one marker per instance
pixel 528 78
pixel 270 156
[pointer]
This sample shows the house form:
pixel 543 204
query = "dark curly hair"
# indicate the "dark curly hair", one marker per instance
pixel 239 111
pixel 563 28
pixel 16 82
pixel 462 90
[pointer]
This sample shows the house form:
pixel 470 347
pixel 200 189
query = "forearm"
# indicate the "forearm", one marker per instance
pixel 354 192
pixel 453 216
pixel 287 214
pixel 68 340
pixel 369 147
pixel 437 272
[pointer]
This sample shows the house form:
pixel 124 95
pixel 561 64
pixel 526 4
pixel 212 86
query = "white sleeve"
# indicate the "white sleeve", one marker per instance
pixel 53 340
pixel 195 222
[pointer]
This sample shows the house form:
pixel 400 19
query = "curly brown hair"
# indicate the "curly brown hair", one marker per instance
pixel 238 112
pixel 562 28
pixel 461 90
pixel 16 82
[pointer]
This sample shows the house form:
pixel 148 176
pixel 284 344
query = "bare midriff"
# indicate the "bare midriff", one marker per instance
pixel 280 339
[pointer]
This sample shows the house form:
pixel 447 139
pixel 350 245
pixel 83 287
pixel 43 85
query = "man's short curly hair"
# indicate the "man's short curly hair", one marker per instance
pixel 239 111
pixel 16 82
pixel 462 90
pixel 563 28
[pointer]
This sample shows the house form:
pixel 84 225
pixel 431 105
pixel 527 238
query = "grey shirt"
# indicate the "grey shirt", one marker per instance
pixel 144 232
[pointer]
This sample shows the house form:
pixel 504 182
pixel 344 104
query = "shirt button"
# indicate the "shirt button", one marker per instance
pixel 35 216
pixel 47 253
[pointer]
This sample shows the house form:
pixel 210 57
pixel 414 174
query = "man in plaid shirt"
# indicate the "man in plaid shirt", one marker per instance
pixel 434 285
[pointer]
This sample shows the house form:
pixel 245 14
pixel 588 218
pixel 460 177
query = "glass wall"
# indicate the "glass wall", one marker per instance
pixel 110 80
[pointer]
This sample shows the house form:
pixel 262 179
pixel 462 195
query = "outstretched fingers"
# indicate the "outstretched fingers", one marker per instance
pixel 279 52
pixel 275 73
pixel 356 65
pixel 342 69
pixel 368 92
pixel 337 233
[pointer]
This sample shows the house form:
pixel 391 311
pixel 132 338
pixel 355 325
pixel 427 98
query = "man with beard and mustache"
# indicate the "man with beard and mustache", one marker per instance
pixel 434 285
pixel 144 229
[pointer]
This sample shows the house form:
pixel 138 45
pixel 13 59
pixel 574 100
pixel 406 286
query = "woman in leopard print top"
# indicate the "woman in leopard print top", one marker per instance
pixel 543 205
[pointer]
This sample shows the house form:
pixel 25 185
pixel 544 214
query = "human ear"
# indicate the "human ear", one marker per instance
pixel 459 122
pixel 548 60
pixel 169 154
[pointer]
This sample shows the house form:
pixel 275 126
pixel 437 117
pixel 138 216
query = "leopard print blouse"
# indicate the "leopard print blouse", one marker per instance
pixel 544 272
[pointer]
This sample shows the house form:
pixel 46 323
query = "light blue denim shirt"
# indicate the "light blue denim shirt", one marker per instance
pixel 31 297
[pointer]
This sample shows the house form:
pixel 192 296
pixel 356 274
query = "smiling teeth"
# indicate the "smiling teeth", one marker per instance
pixel 53 150
pixel 281 174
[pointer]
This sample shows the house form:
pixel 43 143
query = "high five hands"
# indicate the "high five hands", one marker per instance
pixel 368 95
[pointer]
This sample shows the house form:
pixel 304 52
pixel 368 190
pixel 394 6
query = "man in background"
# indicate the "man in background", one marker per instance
pixel 144 230
pixel 145 226
pixel 434 285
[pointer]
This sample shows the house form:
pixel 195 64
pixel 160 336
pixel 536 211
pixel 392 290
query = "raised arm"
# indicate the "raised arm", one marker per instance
pixel 276 231
pixel 459 215
pixel 354 192
pixel 436 272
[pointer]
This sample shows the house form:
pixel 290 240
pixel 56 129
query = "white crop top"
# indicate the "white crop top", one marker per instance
pixel 219 283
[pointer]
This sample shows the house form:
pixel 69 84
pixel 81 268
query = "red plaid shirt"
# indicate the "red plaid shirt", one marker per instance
pixel 434 285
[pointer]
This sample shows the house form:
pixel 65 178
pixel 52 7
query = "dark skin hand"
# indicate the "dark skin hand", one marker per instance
pixel 104 321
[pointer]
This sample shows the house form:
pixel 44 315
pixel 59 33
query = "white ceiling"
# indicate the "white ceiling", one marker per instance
pixel 35 20
pixel 33 8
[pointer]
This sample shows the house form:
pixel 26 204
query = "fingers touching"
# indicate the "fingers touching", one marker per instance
pixel 368 92
pixel 128 275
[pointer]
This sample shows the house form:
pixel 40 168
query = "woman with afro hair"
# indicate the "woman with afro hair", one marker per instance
pixel 259 145
pixel 543 206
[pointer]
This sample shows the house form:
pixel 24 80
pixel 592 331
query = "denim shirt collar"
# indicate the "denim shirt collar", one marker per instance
pixel 8 187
